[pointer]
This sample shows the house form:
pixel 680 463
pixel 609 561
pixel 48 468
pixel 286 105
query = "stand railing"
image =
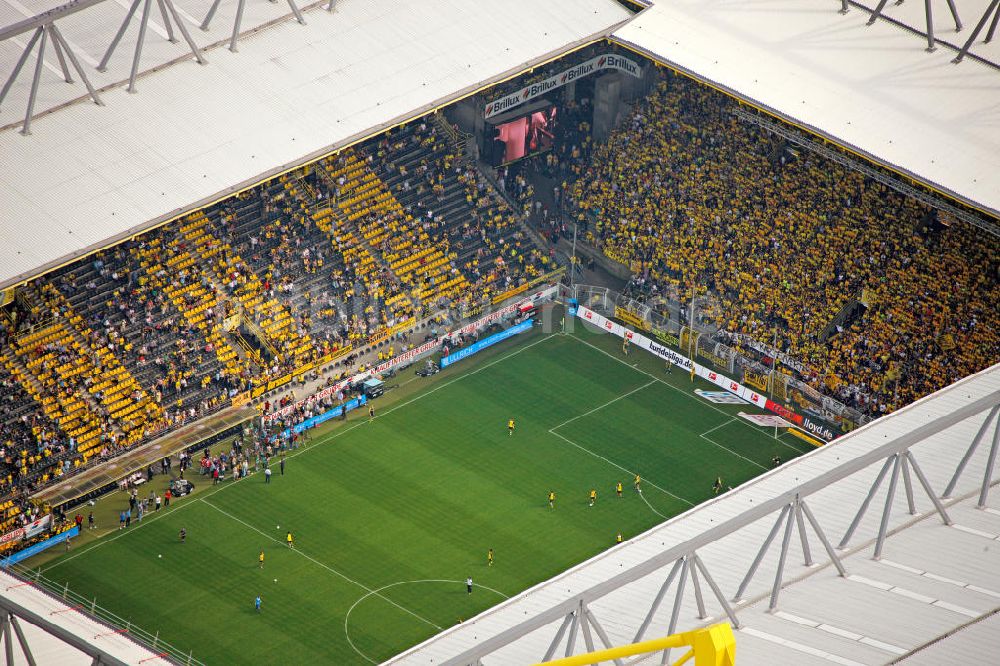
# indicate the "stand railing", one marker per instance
pixel 115 623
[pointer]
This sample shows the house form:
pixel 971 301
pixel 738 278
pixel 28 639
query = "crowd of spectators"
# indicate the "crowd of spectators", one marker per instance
pixel 457 210
pixel 695 200
pixel 31 442
pixel 171 326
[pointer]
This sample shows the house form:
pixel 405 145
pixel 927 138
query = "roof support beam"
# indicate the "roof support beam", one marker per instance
pixel 902 461
pixel 238 21
pixel 554 645
pixel 601 633
pixel 719 596
pixel 994 11
pixel 143 24
pixel 822 538
pixel 573 627
pixel 656 602
pixel 760 554
pixel 8 639
pixel 990 462
pixel 786 538
pixel 166 6
pixel 33 95
pixel 30 658
pixel 950 488
pixel 925 484
pixel 929 17
pixel 676 611
pixel 928 14
pixel 699 600
pixel 883 525
pixel 43 33
pixel 584 623
pixel 10 607
pixel 803 537
pixel 993 27
pixel 908 486
pixel 20 63
pixel 166 21
pixel 67 77
pixel 29 24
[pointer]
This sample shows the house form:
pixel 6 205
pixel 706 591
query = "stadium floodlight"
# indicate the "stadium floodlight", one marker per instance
pixel 167 9
pixel 45 29
pixel 239 18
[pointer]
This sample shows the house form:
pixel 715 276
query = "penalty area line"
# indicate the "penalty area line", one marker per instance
pixel 614 464
pixel 608 403
pixel 679 390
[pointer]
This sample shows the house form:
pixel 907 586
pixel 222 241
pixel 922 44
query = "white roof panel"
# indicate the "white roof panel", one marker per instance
pixel 88 174
pixel 873 89
pixel 32 604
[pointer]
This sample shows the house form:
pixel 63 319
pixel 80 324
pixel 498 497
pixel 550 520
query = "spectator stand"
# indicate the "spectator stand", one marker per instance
pixel 686 194
pixel 297 277
pixel 129 312
pixel 423 165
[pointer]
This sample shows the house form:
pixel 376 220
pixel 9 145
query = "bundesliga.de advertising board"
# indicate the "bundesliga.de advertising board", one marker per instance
pixel 717 378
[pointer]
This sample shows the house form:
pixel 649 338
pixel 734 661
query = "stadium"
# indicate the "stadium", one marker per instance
pixel 475 333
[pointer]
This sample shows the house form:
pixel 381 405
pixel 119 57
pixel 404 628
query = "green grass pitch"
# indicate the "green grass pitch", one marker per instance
pixel 391 515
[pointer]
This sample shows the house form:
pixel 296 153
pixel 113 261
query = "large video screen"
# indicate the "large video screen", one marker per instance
pixel 525 136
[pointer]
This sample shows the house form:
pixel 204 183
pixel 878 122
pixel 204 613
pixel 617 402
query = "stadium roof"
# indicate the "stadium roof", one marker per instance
pixel 56 632
pixel 934 586
pixel 88 175
pixel 874 90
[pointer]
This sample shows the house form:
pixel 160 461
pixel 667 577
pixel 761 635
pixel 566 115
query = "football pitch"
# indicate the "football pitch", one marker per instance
pixel 391 515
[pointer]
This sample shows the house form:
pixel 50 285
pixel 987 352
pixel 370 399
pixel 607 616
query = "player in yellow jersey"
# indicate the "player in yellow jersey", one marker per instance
pixel 510 427
pixel 260 559
pixel 618 538
pixel 638 488
pixel 552 499
pixel 489 557
pixel 618 489
pixel 593 496
pixel 290 540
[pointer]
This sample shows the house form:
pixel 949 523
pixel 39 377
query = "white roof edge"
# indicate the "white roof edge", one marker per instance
pixel 871 89
pixel 105 195
pixel 812 129
pixel 291 166
pixel 66 630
